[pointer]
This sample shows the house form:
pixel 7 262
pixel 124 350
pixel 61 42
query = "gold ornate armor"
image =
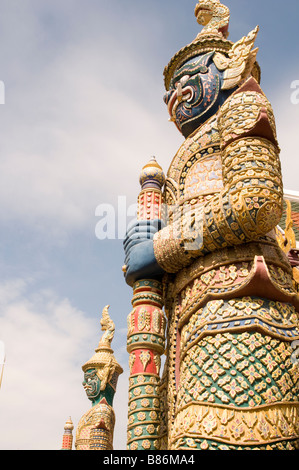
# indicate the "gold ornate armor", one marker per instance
pixel 95 428
pixel 225 180
pixel 230 381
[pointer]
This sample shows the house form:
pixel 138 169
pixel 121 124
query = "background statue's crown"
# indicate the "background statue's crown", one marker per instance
pixel 104 354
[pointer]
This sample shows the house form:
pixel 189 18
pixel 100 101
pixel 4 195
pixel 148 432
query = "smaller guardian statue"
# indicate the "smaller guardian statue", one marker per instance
pixel 96 427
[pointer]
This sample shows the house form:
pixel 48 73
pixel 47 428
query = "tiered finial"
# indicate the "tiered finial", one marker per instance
pixel 103 360
pixel 213 16
pixel 67 441
pixel 152 175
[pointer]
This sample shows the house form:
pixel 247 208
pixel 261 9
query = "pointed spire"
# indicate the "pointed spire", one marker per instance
pixel 152 175
pixel 214 16
pixel 103 359
pixel 67 441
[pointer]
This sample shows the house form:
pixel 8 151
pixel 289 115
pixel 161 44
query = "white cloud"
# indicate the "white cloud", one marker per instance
pixel 47 341
pixel 287 122
pixel 76 128
pixel 2 353
pixel 78 133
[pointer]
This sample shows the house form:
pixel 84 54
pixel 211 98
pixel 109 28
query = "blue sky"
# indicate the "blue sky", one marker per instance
pixel 83 113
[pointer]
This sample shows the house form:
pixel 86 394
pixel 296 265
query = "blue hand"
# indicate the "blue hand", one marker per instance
pixel 140 231
pixel 142 263
pixel 139 250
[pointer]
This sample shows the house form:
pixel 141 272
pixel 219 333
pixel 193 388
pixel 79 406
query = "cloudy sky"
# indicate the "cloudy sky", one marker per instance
pixel 83 113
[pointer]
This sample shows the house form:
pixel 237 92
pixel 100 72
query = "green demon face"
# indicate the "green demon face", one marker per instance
pixel 92 384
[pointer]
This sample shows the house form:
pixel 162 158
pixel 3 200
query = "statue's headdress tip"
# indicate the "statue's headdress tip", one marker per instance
pixel 215 18
pixel 103 353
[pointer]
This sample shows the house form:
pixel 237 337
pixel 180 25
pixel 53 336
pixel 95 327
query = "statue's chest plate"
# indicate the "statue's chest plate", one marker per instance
pixel 196 171
pixel 202 174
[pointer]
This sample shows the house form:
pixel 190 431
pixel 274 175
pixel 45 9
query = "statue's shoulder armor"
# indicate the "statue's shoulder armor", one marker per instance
pixel 246 113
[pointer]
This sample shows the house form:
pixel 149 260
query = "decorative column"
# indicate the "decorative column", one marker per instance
pixel 146 331
pixel 67 440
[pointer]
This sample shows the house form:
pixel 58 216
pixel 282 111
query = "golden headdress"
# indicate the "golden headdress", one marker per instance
pixel 103 360
pixel 238 60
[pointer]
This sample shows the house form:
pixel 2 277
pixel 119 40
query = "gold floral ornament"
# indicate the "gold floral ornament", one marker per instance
pixel 240 61
pixel 103 360
pixel 287 239
pixel 145 358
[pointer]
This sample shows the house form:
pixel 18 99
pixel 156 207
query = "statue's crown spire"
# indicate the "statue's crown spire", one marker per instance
pixel 103 357
pixel 215 17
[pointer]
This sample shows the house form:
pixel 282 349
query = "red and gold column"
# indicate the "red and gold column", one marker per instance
pixel 67 440
pixel 146 331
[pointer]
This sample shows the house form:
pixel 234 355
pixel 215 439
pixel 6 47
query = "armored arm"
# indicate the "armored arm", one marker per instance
pixel 250 204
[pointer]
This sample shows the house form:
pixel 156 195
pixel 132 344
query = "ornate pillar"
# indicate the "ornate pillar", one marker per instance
pixel 146 331
pixel 67 440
